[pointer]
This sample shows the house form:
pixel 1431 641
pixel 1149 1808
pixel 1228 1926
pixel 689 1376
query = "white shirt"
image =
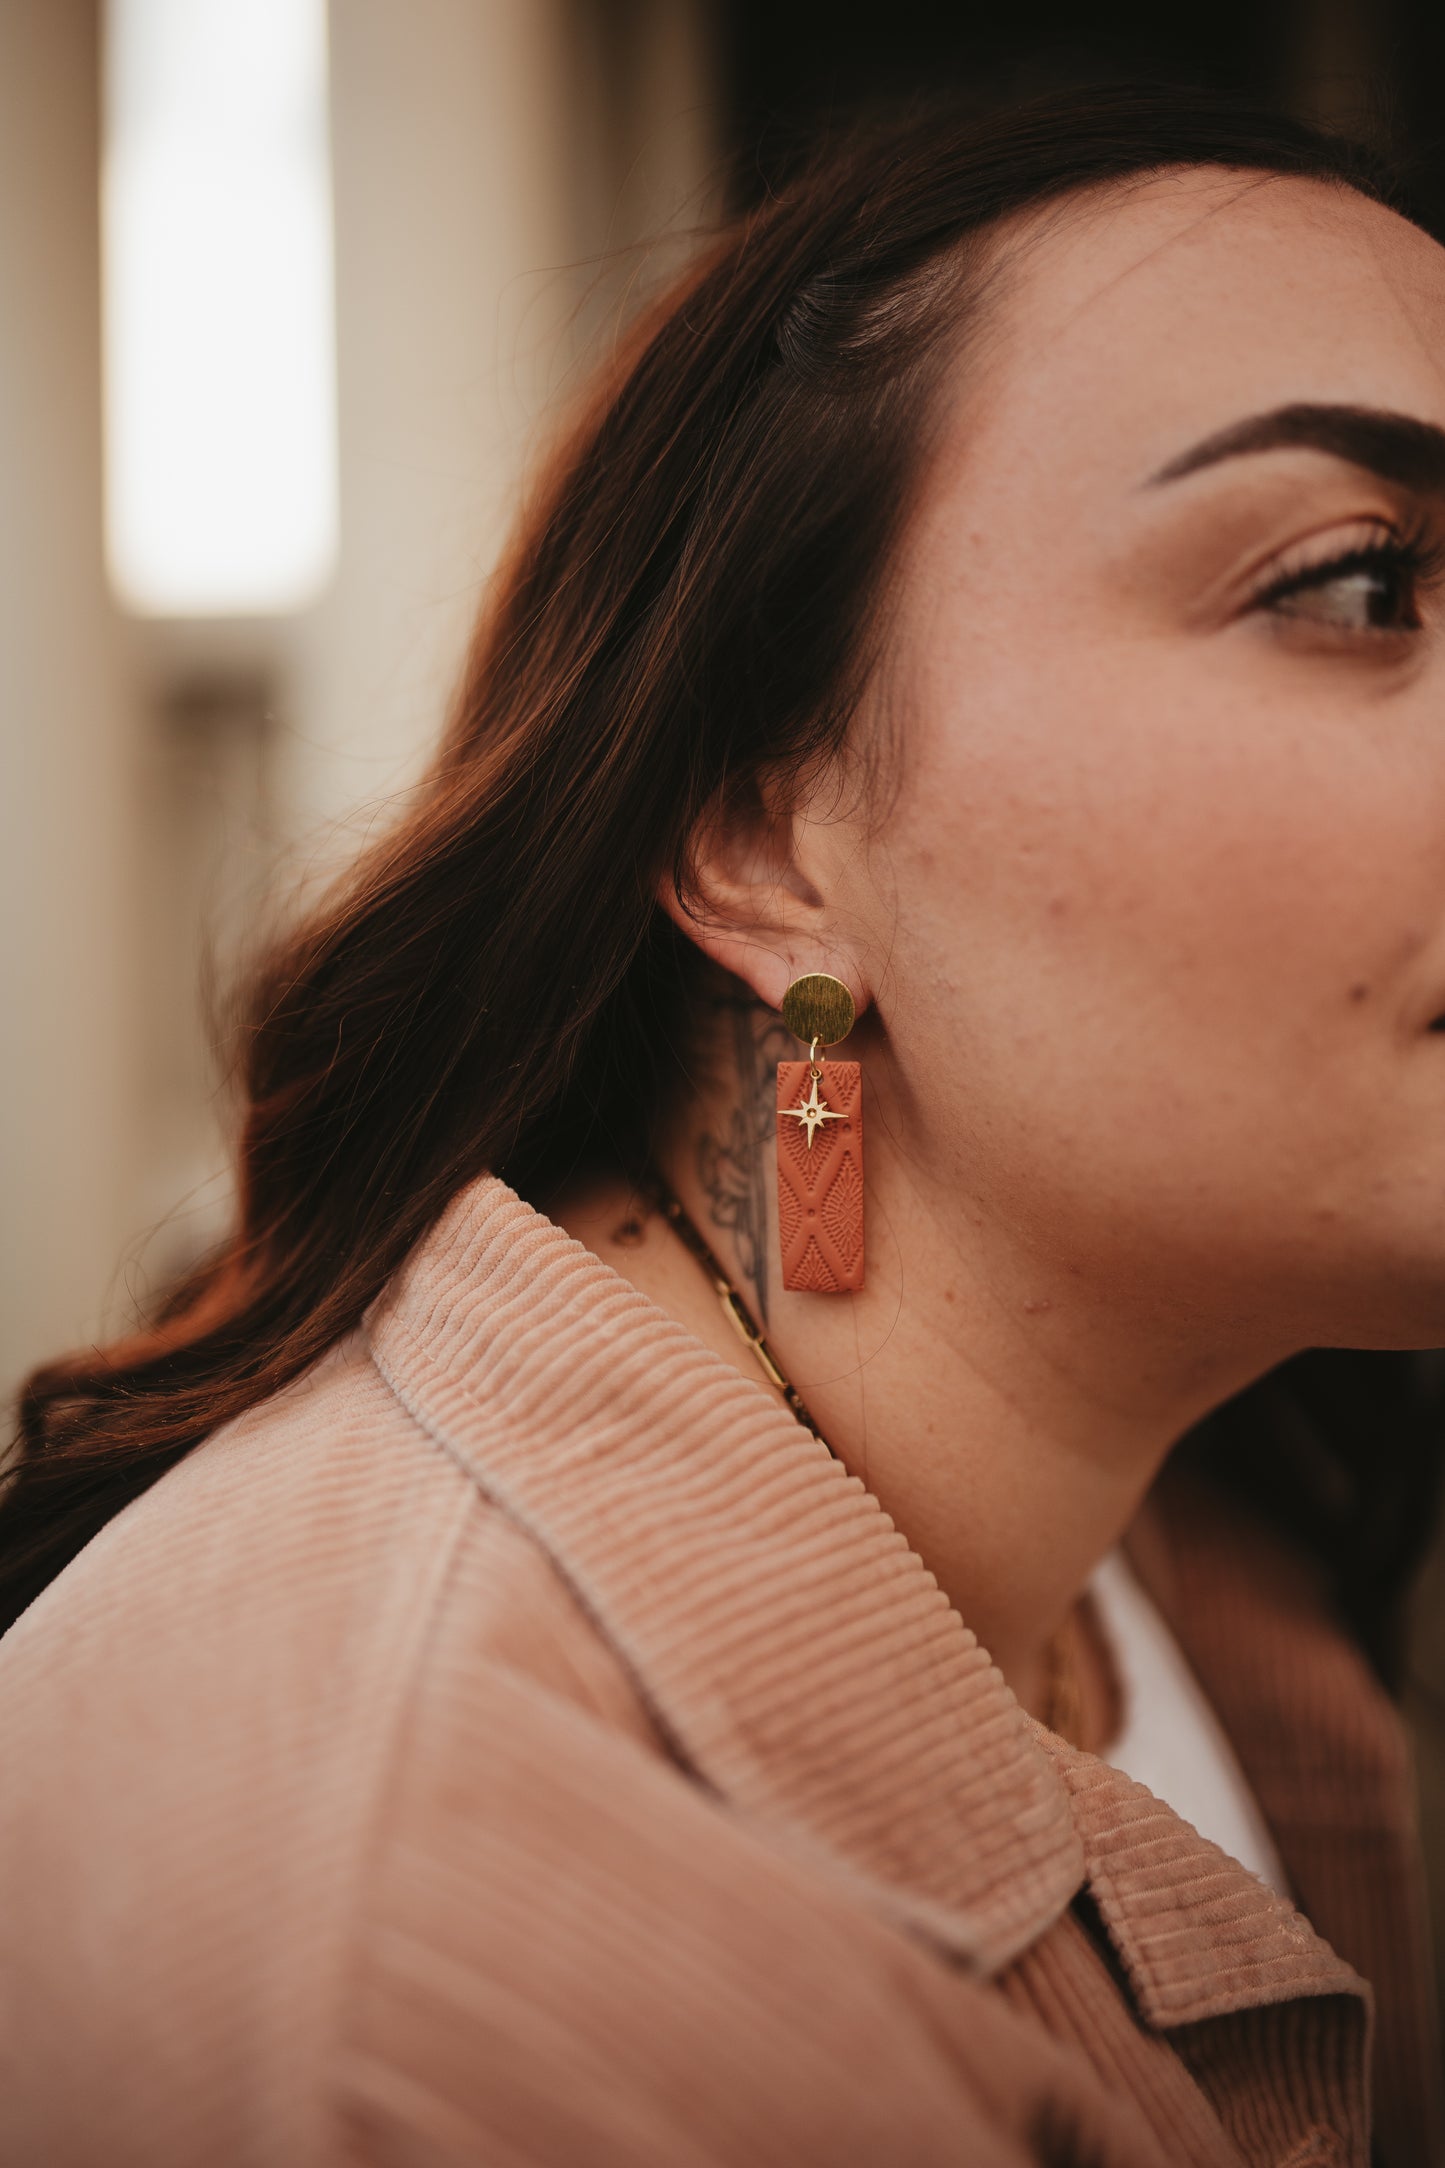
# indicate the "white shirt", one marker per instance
pixel 1170 1739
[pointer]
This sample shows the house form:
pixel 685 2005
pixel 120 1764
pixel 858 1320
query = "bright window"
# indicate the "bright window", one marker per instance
pixel 219 337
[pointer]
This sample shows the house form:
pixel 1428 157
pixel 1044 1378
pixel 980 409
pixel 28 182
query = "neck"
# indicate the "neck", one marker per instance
pixel 1005 1413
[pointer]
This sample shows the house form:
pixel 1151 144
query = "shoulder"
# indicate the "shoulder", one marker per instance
pixel 202 1720
pixel 286 1586
pixel 332 1827
pixel 255 1559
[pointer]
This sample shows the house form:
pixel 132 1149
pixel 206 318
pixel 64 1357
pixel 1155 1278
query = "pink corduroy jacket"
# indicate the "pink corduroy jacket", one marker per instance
pixel 520 1744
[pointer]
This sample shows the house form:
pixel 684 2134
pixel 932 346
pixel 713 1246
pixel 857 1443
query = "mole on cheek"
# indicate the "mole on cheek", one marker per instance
pixel 1360 991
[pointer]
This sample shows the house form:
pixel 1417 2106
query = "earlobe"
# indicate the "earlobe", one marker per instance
pixel 753 908
pixel 767 956
pixel 761 961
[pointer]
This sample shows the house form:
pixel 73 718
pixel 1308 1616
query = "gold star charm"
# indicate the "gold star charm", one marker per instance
pixel 813 1112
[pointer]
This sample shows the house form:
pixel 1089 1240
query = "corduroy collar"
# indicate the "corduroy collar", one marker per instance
pixel 797 1656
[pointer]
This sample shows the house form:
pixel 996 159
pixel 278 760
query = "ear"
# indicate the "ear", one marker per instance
pixel 760 903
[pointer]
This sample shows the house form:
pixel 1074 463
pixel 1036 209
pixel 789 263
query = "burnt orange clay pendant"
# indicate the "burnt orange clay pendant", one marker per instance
pixel 820 1175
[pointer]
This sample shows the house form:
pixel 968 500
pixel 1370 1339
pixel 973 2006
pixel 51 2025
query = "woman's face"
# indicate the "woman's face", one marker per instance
pixel 1157 916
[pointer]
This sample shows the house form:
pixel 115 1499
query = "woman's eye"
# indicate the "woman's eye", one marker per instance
pixel 1372 590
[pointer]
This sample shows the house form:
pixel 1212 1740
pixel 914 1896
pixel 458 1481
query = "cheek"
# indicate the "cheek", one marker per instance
pixel 1131 884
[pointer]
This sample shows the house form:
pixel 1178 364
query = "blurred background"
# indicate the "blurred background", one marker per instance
pixel 286 294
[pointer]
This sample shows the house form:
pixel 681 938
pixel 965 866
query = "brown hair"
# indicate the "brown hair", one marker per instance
pixel 688 604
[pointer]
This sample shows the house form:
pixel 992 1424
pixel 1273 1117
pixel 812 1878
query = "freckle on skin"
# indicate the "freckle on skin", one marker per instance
pixel 1360 991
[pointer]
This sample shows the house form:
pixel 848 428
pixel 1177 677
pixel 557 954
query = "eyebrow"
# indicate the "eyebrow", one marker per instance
pixel 1398 447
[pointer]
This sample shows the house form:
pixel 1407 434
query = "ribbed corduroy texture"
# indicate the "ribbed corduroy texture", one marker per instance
pixel 1329 1764
pixel 522 1744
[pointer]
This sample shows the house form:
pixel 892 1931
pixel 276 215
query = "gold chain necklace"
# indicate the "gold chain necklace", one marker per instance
pixel 734 1309
pixel 1063 1702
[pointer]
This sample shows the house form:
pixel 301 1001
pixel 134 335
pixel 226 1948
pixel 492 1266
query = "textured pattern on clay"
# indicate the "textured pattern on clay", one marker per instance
pixel 820 1192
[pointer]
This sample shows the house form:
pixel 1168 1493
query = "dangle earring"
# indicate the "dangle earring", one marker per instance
pixel 820 1144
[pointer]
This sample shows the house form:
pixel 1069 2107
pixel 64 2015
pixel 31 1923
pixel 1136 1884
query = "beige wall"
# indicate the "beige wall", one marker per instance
pixel 68 755
pixel 450 163
pixel 487 155
pixel 161 779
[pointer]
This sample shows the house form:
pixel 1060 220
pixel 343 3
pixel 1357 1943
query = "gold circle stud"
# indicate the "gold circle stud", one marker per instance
pixel 818 1009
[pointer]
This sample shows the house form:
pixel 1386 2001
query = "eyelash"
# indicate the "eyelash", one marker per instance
pixel 1411 558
